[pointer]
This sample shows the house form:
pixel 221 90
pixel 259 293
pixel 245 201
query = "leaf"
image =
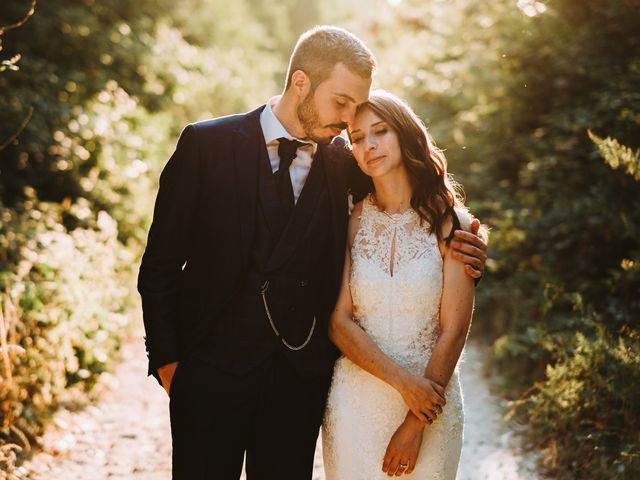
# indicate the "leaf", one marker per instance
pixel 618 156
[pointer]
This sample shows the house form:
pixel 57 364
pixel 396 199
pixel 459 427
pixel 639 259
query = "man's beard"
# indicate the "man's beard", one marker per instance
pixel 310 121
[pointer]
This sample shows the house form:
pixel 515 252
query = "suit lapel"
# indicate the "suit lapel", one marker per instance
pixel 337 183
pixel 247 141
pixel 301 217
pixel 269 202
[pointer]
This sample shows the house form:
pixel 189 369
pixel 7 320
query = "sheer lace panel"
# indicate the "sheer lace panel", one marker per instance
pixel 391 240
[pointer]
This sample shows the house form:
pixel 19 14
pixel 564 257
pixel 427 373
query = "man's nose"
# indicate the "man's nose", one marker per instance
pixel 348 115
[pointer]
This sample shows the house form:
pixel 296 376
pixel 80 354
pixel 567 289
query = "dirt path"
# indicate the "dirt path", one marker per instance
pixel 125 436
pixel 491 451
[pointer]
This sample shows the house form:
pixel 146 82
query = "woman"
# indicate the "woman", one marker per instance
pixel 403 312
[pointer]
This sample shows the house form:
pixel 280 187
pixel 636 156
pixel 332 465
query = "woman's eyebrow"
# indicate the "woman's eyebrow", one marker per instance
pixel 372 125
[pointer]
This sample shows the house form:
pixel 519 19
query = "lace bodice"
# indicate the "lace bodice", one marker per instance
pixel 396 283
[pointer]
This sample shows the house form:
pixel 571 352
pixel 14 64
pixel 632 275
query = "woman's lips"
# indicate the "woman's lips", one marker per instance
pixel 374 160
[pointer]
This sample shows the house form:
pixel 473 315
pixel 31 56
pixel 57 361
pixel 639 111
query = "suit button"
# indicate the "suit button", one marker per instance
pixel 292 308
pixel 304 283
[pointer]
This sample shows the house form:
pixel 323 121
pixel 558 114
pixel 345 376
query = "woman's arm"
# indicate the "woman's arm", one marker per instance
pixel 421 394
pixel 456 306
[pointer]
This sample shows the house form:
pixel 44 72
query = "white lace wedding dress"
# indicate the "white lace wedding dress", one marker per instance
pixel 396 285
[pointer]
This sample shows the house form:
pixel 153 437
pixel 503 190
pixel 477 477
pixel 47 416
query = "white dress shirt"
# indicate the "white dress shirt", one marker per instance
pixel 301 165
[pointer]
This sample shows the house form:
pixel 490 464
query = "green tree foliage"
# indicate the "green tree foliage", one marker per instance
pixel 618 156
pixel 70 50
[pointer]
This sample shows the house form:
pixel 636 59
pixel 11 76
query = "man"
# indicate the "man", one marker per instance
pixel 243 266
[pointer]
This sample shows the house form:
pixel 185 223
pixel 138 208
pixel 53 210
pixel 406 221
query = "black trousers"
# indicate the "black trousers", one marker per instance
pixel 271 414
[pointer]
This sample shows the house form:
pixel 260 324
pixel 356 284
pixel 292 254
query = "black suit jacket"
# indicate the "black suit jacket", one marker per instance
pixel 199 243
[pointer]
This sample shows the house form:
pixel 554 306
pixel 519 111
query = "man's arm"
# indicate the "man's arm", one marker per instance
pixel 166 252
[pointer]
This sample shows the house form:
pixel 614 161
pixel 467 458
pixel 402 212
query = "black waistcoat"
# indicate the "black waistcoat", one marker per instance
pixel 294 254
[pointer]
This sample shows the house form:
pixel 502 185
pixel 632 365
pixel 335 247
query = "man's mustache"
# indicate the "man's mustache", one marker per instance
pixel 341 126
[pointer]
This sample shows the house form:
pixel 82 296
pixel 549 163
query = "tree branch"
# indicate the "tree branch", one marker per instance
pixel 7 142
pixel 21 22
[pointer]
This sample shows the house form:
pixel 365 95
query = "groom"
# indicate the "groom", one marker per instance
pixel 243 265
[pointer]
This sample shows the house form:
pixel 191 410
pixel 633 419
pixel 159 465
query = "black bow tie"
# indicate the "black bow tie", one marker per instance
pixel 287 151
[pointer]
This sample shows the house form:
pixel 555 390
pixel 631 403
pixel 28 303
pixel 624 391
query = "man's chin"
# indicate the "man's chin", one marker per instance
pixel 325 138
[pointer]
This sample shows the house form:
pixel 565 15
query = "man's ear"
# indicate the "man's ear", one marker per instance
pixel 300 83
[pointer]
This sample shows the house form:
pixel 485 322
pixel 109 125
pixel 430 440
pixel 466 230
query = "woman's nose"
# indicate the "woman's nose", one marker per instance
pixel 371 144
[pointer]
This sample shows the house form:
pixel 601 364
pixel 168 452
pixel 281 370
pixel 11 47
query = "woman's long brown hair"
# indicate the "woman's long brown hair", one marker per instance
pixel 434 194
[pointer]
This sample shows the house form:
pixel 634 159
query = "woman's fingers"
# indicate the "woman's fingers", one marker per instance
pixel 386 462
pixel 411 465
pixel 393 465
pixel 440 391
pixel 402 467
pixel 419 414
pixel 438 401
pixel 431 415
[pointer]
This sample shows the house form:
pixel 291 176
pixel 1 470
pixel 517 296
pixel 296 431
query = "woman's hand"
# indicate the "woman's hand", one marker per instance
pixel 425 398
pixel 403 448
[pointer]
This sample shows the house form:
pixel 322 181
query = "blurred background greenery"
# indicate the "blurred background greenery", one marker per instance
pixel 537 104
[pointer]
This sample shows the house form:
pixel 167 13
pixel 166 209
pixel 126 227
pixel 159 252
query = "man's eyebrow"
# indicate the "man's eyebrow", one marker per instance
pixel 348 97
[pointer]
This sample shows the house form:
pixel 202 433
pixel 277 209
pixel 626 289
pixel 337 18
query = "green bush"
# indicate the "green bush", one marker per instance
pixel 63 297
pixel 584 410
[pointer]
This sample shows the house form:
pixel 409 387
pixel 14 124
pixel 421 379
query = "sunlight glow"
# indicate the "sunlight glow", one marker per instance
pixel 531 8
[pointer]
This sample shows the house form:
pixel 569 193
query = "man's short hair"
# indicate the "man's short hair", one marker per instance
pixel 320 49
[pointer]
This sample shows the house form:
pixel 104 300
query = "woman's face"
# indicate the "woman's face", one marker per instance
pixel 375 145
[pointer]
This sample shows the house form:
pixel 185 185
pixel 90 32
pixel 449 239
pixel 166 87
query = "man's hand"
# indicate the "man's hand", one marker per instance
pixel 469 248
pixel 166 373
pixel 424 397
pixel 402 451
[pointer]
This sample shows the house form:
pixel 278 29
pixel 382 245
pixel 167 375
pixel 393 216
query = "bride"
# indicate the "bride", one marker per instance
pixel 404 309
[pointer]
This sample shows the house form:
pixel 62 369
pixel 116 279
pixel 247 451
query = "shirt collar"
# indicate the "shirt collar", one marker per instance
pixel 273 129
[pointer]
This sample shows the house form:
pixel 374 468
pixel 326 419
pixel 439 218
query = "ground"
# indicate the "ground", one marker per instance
pixel 125 436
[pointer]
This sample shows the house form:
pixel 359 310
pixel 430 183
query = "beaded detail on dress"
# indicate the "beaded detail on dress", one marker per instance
pixel 396 285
